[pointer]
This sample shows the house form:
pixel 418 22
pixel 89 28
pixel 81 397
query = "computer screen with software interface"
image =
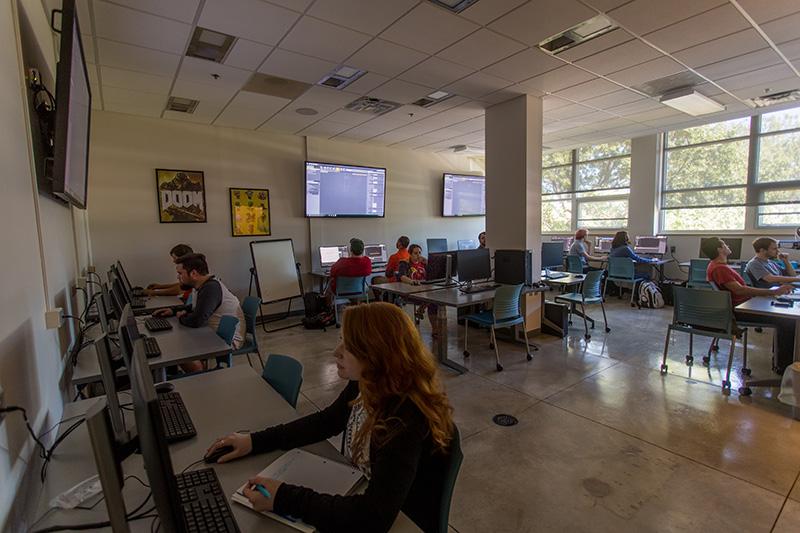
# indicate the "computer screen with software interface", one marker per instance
pixel 376 253
pixel 603 244
pixel 328 255
pixel 650 244
pixel 464 196
pixel 344 190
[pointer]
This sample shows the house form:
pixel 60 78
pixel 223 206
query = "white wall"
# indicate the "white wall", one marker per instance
pixel 40 264
pixel 123 220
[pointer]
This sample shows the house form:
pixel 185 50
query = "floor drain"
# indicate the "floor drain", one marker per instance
pixel 505 420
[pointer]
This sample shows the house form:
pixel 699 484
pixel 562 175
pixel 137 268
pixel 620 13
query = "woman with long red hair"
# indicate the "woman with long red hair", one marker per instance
pixel 397 425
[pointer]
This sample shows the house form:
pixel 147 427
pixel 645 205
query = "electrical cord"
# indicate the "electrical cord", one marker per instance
pixel 49 453
pixel 13 408
pixel 79 319
pixel 192 464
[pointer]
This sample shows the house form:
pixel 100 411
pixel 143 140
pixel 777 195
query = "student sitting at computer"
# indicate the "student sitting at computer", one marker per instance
pixel 621 247
pixel 727 279
pixel 482 239
pixel 580 247
pixel 413 272
pixel 354 266
pixel 395 259
pixel 171 289
pixel 212 299
pixel 764 270
pixel 397 427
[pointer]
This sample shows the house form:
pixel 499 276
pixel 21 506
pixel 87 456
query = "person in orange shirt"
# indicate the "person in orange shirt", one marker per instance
pixel 402 255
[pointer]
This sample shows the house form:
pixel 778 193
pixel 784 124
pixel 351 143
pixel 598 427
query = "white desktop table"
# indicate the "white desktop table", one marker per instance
pixel 762 305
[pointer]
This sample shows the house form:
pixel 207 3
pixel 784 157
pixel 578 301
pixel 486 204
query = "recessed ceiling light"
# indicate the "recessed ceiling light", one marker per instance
pixel 456 6
pixel 209 44
pixel 341 77
pixel 307 111
pixel 580 33
pixel 691 102
pixel 438 95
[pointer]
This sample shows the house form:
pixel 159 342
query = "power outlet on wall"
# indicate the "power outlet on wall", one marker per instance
pixel 81 283
pixel 672 249
pixel 54 318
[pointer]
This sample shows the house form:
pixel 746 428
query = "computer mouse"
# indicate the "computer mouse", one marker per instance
pixel 164 386
pixel 214 456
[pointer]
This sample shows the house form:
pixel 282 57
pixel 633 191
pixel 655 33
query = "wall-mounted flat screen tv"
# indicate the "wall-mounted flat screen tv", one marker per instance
pixel 464 196
pixel 334 190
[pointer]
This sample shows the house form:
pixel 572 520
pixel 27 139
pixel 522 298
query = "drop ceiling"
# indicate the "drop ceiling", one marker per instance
pixel 410 48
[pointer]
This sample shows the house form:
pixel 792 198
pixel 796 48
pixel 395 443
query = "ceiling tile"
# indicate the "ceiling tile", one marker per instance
pixel 726 47
pixel 84 20
pixel 134 27
pixel 524 65
pixel 652 70
pixel 297 5
pixel 791 49
pixel 783 29
pixel 468 126
pixel 481 49
pixel 94 80
pixel 366 83
pixel 589 89
pixel 353 118
pixel 323 99
pixel 252 19
pixel 477 85
pixel 88 48
pixel 428 29
pixel 640 106
pixel 435 72
pixel 247 54
pixel 568 112
pixel 644 16
pixel 125 56
pixel 761 77
pixel 613 99
pixel 324 128
pixel 133 107
pixel 485 12
pixel 710 25
pixel 552 102
pixel 135 81
pixel 741 64
pixel 606 5
pixel 287 121
pixel 385 58
pixel 324 40
pixel 620 57
pixel 182 10
pixel 767 87
pixel 194 70
pixel 401 116
pixel 368 16
pixel 204 92
pixel 766 10
pixel 294 66
pixel 503 95
pixel 248 110
pixel 536 21
pixel 119 98
pixel 557 79
pixel 400 91
pixel 596 45
pixel 204 113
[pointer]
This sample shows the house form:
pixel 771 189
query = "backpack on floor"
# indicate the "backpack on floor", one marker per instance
pixel 321 320
pixel 649 295
pixel 314 304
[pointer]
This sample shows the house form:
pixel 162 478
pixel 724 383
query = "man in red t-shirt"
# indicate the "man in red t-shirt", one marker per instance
pixel 727 279
pixel 353 266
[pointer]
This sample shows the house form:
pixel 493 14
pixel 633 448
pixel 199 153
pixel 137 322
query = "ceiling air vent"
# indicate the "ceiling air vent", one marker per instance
pixel 210 45
pixel 275 86
pixel 456 6
pixel 669 83
pixel 374 106
pixel 580 33
pixel 341 77
pixel 181 105
pixel 776 98
pixel 432 99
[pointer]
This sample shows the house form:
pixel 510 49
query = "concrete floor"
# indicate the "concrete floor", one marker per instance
pixel 604 441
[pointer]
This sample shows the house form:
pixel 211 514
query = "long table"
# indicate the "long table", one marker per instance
pixel 178 345
pixel 219 403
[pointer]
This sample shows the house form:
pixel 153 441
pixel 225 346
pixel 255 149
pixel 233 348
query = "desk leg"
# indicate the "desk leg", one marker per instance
pixel 440 341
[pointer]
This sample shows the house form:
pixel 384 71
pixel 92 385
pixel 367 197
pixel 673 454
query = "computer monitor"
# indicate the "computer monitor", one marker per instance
pixel 734 244
pixel 463 196
pixel 126 284
pixel 102 314
pixel 153 442
pixel 603 244
pixel 328 255
pixel 334 190
pixel 128 334
pixel 118 297
pixel 436 269
pixel 436 245
pixel 474 264
pixel 108 366
pixel 552 255
pixel 650 244
pixel 106 297
pixel 467 244
pixel 376 253
pixel 566 242
pixel 789 244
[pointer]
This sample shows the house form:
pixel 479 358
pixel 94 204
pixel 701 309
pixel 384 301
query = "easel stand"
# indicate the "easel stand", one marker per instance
pixel 264 321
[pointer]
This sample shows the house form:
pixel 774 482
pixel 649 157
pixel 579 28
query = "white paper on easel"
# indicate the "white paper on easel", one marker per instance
pixel 299 467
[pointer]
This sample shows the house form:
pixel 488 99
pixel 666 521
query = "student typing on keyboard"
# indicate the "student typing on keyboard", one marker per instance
pixel 172 289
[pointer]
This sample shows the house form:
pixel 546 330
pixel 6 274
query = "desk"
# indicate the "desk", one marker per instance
pixel 762 305
pixel 178 345
pixel 229 408
pixel 157 302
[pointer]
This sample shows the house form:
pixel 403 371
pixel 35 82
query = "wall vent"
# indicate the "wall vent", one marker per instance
pixel 373 106
pixel 181 105
pixel 210 45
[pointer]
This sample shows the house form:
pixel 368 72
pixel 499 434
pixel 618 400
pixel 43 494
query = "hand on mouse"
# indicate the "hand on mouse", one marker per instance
pixel 163 312
pixel 783 289
pixel 241 442
pixel 260 501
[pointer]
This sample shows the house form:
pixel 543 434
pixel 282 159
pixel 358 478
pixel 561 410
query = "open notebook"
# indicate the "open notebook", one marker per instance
pixel 299 467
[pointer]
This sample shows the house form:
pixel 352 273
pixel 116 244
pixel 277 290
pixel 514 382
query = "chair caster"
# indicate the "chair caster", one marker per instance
pixel 664 369
pixel 746 371
pixel 706 360
pixel 608 330
pixel 530 357
pixel 499 367
pixel 759 330
pixel 689 360
pixel 587 336
pixel 569 322
pixel 726 387
pixel 466 353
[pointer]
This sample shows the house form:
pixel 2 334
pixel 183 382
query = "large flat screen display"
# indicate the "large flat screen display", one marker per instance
pixel 334 190
pixel 464 196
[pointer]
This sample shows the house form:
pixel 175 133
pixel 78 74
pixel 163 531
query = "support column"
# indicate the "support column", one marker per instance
pixel 645 168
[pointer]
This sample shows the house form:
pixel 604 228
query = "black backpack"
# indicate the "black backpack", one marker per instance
pixel 314 304
pixel 321 320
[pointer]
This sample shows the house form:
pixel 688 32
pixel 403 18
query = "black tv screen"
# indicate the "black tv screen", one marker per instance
pixel 334 190
pixel 73 112
pixel 464 196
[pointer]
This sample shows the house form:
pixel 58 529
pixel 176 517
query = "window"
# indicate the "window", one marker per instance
pixel 586 188
pixel 709 182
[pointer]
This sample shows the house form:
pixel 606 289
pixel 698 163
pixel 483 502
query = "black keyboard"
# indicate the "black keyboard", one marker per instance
pixel 157 324
pixel 138 303
pixel 480 288
pixel 177 422
pixel 205 507
pixel 151 348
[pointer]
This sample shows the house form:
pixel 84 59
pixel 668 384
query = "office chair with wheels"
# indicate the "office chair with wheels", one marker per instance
pixel 285 375
pixel 589 294
pixel 454 461
pixel 226 331
pixel 348 289
pixel 250 307
pixel 622 271
pixel 697 274
pixel 505 313
pixel 574 264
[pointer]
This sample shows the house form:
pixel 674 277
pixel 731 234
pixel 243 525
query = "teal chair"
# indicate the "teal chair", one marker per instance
pixel 505 312
pixel 622 271
pixel 697 274
pixel 285 375
pixel 589 294
pixel 348 289
pixel 705 313
pixel 574 264
pixel 250 307
pixel 454 460
pixel 226 331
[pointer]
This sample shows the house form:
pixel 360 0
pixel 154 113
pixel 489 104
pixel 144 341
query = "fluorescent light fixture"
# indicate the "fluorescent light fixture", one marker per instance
pixel 691 102
pixel 580 33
